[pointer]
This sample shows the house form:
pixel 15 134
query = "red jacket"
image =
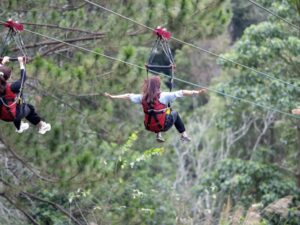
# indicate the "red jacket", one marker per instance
pixel 155 115
pixel 8 105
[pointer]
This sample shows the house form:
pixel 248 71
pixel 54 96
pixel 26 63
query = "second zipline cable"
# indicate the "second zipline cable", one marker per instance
pixel 178 79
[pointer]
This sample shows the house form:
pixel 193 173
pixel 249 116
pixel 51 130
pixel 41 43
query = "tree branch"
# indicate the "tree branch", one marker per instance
pixel 234 136
pixel 29 217
pixel 32 196
pixel 45 93
pixel 71 40
pixel 63 28
pixel 52 49
pixel 59 207
pixel 8 147
pixel 268 120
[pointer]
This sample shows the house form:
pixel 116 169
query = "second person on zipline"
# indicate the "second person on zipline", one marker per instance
pixel 13 109
pixel 158 116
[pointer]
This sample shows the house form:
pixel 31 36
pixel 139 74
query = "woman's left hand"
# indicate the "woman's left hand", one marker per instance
pixel 5 60
pixel 202 91
pixel 108 95
pixel 296 111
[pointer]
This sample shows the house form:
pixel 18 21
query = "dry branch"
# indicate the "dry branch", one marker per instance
pixel 17 206
pixel 26 164
pixel 63 28
pixel 71 40
pixel 59 207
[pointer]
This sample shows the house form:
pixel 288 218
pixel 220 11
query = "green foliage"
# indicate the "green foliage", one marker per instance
pixel 100 158
pixel 246 182
pixel 271 48
pixel 296 3
pixel 292 217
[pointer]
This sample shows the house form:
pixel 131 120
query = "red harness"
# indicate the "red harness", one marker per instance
pixel 8 105
pixel 155 115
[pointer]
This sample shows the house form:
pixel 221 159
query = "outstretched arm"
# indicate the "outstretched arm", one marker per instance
pixel 296 111
pixel 122 96
pixel 193 92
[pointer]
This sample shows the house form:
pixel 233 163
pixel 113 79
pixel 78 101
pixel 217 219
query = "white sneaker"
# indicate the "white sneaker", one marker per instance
pixel 159 137
pixel 23 127
pixel 44 127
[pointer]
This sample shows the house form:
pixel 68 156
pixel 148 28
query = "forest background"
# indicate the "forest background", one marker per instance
pixel 98 165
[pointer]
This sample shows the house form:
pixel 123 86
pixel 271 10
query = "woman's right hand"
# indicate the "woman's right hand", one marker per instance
pixel 202 91
pixel 21 59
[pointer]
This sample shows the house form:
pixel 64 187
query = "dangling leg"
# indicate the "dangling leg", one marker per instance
pixel 17 124
pixel 36 120
pixel 159 137
pixel 20 126
pixel 180 127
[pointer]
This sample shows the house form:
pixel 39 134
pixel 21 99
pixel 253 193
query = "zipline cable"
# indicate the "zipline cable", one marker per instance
pixel 164 75
pixel 274 14
pixel 199 48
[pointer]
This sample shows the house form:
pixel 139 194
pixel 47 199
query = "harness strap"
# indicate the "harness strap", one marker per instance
pixel 152 113
pixel 162 41
pixel 150 116
pixel 20 99
pixel 152 54
pixel 7 107
pixel 15 100
pixel 20 44
pixel 148 121
pixel 157 121
pixel 157 111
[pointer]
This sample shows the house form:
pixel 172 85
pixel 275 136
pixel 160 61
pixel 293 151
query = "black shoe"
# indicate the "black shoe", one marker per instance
pixel 185 138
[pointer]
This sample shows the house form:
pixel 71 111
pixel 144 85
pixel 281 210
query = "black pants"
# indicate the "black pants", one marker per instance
pixel 175 119
pixel 26 111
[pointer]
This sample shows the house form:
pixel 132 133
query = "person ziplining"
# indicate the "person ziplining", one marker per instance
pixel 12 104
pixel 158 116
pixel 12 107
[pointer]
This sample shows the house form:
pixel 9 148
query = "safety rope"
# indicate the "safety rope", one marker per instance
pixel 20 44
pixel 6 105
pixel 162 41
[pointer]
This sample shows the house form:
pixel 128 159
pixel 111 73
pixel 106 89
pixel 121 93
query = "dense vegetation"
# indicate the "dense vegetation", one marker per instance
pixel 99 166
